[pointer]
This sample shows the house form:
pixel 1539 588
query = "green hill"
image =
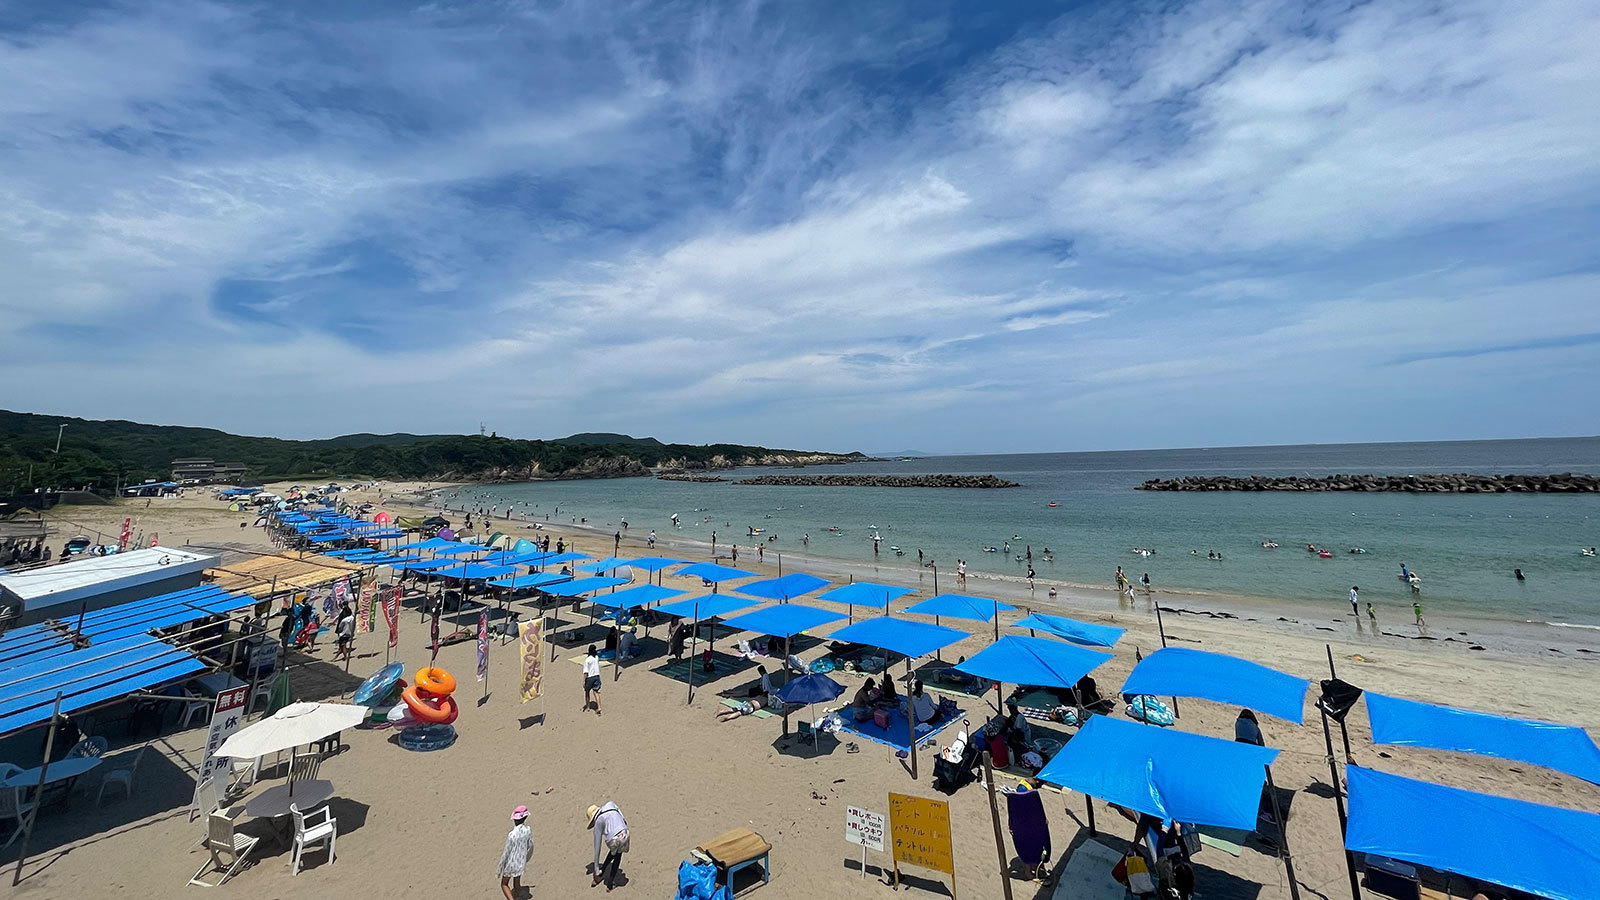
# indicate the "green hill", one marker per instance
pixel 103 454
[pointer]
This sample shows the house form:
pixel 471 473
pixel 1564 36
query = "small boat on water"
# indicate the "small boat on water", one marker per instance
pixel 1325 554
pixel 1052 504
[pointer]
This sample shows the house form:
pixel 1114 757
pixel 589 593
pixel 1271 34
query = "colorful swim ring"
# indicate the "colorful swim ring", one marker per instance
pixel 376 689
pixel 433 710
pixel 436 681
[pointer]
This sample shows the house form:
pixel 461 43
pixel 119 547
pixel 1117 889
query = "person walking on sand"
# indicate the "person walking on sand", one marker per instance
pixel 591 680
pixel 961 570
pixel 1372 617
pixel 611 833
pixel 518 851
pixel 616 543
pixel 1355 595
pixel 1416 607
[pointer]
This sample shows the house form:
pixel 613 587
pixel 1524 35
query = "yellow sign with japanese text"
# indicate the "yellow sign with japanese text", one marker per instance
pixel 919 831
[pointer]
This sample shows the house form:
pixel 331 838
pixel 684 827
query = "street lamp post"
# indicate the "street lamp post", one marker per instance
pixel 58 436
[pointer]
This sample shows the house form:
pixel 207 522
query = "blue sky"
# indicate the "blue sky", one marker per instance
pixel 949 227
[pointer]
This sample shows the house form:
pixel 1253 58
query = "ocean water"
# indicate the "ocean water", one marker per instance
pixel 1464 547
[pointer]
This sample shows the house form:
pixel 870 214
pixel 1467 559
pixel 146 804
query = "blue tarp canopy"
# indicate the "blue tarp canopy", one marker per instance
pixel 26 645
pixel 1171 774
pixel 88 677
pixel 653 563
pixel 578 586
pixel 389 559
pixel 705 607
pixel 556 559
pixel 714 573
pixel 429 544
pixel 909 639
pixel 1015 659
pixel 1181 672
pixel 604 565
pixel 864 593
pixel 643 595
pixel 475 570
pixel 785 620
pixel 783 589
pixel 1565 748
pixel 456 549
pixel 960 606
pixel 1072 630
pixel 1544 850
pixel 330 538
pixel 529 581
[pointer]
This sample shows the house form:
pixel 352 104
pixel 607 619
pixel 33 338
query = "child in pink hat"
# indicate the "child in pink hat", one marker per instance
pixel 519 850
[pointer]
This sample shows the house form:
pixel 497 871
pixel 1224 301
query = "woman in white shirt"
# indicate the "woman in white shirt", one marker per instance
pixel 591 680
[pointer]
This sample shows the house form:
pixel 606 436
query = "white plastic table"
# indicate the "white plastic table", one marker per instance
pixel 60 770
pixel 274 801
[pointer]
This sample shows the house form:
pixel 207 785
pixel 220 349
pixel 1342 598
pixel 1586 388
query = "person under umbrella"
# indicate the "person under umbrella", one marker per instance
pixel 810 690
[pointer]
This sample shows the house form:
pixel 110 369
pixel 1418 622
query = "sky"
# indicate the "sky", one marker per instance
pixel 969 227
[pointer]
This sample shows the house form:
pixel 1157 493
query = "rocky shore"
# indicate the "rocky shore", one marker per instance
pixel 1459 483
pixel 690 476
pixel 934 481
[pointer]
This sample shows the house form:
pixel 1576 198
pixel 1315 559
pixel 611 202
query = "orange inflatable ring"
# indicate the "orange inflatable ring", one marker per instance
pixel 440 711
pixel 436 681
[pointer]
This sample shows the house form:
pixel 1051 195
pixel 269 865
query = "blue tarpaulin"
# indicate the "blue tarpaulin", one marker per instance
pixel 530 581
pixel 1171 774
pixel 1544 850
pixel 429 544
pixel 785 620
pixel 579 586
pixel 1562 747
pixel 863 593
pixel 1072 630
pixel 456 549
pixel 960 606
pixel 714 573
pixel 604 565
pixel 1015 659
pixel 643 595
pixel 90 676
pixel 1181 672
pixel 473 571
pixel 706 606
pixel 786 588
pixel 910 639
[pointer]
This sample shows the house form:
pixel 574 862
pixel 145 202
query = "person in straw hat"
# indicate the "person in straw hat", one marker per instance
pixel 519 850
pixel 611 832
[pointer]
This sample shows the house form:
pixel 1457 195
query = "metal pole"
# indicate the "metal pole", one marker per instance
pixel 694 638
pixel 1163 629
pixel 1283 837
pixel 911 720
pixel 38 791
pixel 994 816
pixel 1088 805
pixel 1338 799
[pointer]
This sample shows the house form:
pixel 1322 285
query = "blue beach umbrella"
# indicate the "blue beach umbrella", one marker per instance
pixel 811 689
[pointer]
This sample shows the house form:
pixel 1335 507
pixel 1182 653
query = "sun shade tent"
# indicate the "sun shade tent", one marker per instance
pixel 1181 672
pixel 960 606
pixel 604 565
pixel 474 571
pixel 909 639
pixel 518 582
pixel 457 549
pixel 705 607
pixel 783 589
pixel 1543 850
pixel 1408 722
pixel 580 586
pixel 1072 630
pixel 1170 774
pixel 784 621
pixel 652 563
pixel 643 595
pixel 88 677
pixel 1016 659
pixel 864 593
pixel 31 643
pixel 556 559
pixel 714 573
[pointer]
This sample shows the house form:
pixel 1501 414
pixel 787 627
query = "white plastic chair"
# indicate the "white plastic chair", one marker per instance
pixel 262 691
pixel 12 806
pixel 197 706
pixel 122 777
pixel 305 768
pixel 244 773
pixel 316 827
pixel 229 849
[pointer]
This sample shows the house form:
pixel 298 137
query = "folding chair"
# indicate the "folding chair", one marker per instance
pixel 229 850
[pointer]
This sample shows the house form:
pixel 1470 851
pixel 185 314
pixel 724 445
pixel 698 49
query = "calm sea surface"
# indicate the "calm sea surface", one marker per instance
pixel 1463 546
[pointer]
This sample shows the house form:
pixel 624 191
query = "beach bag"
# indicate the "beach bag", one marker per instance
pixel 618 843
pixel 696 881
pixel 999 754
pixel 1189 837
pixel 880 717
pixel 1139 880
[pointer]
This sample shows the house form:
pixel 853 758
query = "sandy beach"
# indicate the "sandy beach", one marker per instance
pixel 432 824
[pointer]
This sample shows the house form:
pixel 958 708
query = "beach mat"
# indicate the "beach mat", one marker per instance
pixel 1087 875
pixel 760 713
pixel 1228 840
pixel 725 664
pixel 926 675
pixel 895 734
pixel 1030 831
pixel 580 657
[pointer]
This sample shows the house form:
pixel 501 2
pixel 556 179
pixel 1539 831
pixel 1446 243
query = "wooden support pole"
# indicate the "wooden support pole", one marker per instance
pixel 994 816
pixel 38 791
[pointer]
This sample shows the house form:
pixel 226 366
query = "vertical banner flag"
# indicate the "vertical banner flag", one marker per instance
pixel 391 613
pixel 226 717
pixel 364 608
pixel 532 644
pixel 434 633
pixel 483 645
pixel 127 534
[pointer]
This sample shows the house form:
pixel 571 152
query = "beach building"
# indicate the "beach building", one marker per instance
pixel 198 470
pixel 98 582
pixel 151 489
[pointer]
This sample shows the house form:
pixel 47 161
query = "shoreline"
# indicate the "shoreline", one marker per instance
pixel 1468 631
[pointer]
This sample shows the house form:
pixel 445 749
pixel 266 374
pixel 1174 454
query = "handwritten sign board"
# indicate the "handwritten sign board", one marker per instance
pixel 864 827
pixel 919 829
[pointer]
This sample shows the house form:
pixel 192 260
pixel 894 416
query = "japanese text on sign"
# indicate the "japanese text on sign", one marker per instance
pixel 864 827
pixel 226 717
pixel 920 830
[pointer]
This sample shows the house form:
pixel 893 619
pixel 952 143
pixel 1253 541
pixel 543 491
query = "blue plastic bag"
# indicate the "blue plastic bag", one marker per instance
pixel 696 881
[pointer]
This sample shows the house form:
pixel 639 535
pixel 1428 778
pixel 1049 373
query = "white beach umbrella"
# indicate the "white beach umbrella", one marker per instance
pixel 291 727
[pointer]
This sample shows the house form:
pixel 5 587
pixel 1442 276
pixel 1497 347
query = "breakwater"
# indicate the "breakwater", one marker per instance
pixel 885 481
pixel 690 477
pixel 1458 483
